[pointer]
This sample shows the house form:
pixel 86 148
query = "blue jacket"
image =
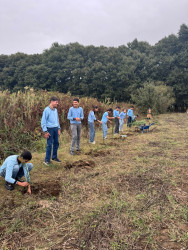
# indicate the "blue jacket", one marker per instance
pixel 122 115
pixel 75 113
pixel 130 113
pixel 50 119
pixel 8 166
pixel 91 117
pixel 116 113
pixel 104 117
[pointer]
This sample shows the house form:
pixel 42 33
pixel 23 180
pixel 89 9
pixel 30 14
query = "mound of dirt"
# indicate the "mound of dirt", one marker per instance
pixel 97 153
pixel 81 164
pixel 44 189
pixel 112 144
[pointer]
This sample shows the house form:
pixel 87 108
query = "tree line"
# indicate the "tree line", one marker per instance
pixel 105 73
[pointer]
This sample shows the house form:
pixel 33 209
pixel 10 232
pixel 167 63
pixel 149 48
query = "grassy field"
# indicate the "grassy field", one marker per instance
pixel 127 193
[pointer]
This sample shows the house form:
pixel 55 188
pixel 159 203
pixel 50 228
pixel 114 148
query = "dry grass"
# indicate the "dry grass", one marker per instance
pixel 117 194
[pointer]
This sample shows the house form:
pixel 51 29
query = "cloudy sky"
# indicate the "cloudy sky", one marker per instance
pixel 30 26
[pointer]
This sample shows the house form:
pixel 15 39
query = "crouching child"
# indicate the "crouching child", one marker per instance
pixel 14 168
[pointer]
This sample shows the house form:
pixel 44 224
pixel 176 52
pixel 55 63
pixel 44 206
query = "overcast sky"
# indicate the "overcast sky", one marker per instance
pixel 30 26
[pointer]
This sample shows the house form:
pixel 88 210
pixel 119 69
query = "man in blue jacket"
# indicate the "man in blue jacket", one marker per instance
pixel 117 118
pixel 14 168
pixel 51 128
pixel 75 115
pixel 130 116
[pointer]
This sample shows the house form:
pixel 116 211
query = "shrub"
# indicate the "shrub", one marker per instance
pixel 21 112
pixel 158 97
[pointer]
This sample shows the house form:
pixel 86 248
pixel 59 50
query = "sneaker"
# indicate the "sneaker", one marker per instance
pixel 105 137
pixel 47 163
pixel 78 150
pixel 56 160
pixel 116 134
pixel 9 186
pixel 92 142
pixel 72 153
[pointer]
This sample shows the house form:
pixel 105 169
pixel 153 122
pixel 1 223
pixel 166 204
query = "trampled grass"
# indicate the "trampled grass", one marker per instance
pixel 123 193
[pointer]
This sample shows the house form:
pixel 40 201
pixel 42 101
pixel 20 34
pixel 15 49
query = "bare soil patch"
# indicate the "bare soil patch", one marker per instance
pixel 47 188
pixel 80 165
pixel 97 153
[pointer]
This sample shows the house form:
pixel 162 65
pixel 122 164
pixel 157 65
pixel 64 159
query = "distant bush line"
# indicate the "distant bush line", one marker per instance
pixel 102 72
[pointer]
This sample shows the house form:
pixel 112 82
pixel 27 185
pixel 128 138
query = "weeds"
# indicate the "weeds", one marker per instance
pixel 125 198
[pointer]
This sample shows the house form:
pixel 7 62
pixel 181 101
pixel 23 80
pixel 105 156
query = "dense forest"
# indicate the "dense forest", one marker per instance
pixel 103 72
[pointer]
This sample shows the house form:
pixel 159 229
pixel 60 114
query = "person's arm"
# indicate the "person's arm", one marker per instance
pixel 8 176
pixel 44 124
pixel 96 119
pixel 110 117
pixel 70 115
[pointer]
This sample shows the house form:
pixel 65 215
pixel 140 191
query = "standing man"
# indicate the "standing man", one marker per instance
pixel 91 119
pixel 14 168
pixel 122 119
pixel 51 128
pixel 105 118
pixel 130 116
pixel 117 118
pixel 75 115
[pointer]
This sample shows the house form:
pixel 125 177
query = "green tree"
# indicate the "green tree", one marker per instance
pixel 157 96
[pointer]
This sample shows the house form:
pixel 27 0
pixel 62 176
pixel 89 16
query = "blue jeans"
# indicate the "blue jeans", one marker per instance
pixel 121 125
pixel 105 129
pixel 53 139
pixel 18 172
pixel 91 131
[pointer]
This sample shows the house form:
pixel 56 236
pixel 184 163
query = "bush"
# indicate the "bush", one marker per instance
pixel 158 97
pixel 20 117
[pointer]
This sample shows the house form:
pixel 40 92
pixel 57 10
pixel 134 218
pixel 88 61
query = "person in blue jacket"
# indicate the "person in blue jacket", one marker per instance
pixel 51 128
pixel 105 118
pixel 117 118
pixel 122 119
pixel 130 116
pixel 91 119
pixel 14 168
pixel 75 115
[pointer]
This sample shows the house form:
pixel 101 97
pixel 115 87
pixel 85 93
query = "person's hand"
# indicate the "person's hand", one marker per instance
pixel 110 121
pixel 77 119
pixel 100 122
pixel 47 135
pixel 119 118
pixel 29 190
pixel 23 184
pixel 59 132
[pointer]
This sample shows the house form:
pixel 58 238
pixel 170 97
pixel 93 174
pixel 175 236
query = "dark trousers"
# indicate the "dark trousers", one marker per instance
pixel 116 126
pixel 52 140
pixel 129 121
